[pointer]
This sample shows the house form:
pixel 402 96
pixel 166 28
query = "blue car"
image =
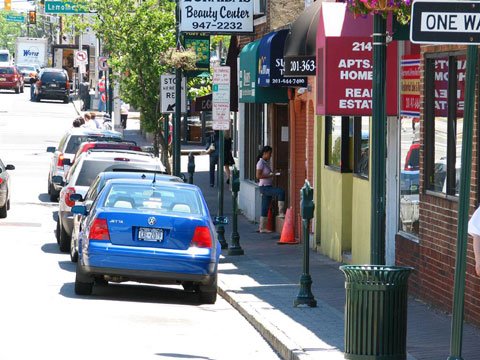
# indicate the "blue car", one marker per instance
pixel 148 231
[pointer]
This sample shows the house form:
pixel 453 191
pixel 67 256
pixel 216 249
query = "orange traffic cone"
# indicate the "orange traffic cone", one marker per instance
pixel 288 233
pixel 270 219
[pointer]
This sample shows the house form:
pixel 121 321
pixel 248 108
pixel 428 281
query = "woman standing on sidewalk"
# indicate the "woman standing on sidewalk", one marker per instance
pixel 265 181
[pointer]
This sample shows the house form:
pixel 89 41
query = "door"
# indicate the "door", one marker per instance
pixel 281 136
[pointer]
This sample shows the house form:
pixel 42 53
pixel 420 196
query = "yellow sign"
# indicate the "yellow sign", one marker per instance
pixel 7 5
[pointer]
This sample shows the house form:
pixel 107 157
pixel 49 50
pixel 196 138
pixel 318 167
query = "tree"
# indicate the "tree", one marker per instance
pixel 9 31
pixel 134 35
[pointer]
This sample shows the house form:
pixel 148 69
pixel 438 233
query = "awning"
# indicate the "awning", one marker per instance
pixel 231 61
pixel 250 92
pixel 203 103
pixel 300 44
pixel 271 63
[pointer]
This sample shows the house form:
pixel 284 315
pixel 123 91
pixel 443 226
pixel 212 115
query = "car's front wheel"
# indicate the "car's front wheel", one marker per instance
pixel 64 239
pixel 83 283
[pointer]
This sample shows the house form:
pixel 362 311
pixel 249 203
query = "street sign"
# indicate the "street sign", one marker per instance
pixel 80 58
pixel 16 18
pixel 221 98
pixel 65 7
pixel 445 22
pixel 102 63
pixel 217 17
pixel 167 94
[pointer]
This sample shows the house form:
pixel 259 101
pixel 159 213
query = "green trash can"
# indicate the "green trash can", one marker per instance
pixel 376 312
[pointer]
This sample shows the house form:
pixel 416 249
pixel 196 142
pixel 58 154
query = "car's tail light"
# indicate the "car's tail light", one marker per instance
pixel 67 85
pixel 69 191
pixel 121 159
pixel 60 160
pixel 88 147
pixel 99 230
pixel 202 237
pixel 15 78
pixel 1 180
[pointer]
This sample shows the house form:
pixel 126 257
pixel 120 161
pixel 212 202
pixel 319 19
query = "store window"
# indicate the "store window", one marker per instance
pixel 337 132
pixel 361 145
pixel 444 102
pixel 254 137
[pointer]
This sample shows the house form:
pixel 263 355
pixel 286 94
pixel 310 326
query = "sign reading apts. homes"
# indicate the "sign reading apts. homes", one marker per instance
pixel 217 16
pixel 271 64
pixel 167 94
pixel 348 76
pixel 410 86
pixel 441 91
pixel 221 98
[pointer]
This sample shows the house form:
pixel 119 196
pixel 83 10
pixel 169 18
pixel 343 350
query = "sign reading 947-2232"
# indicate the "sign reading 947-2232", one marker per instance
pixel 216 16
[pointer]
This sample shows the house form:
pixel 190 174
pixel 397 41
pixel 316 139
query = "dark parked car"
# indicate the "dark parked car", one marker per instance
pixel 4 189
pixel 11 79
pixel 54 84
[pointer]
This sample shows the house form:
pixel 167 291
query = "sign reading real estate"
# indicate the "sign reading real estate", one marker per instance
pixel 445 22
pixel 410 86
pixel 221 98
pixel 441 85
pixel 217 16
pixel 167 94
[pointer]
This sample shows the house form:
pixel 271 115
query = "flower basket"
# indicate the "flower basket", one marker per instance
pixel 401 9
pixel 183 59
pixel 379 6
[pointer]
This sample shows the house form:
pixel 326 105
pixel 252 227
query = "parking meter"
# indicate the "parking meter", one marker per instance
pixel 307 205
pixel 235 180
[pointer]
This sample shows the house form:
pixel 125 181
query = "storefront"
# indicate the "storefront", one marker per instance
pixel 344 107
pixel 255 124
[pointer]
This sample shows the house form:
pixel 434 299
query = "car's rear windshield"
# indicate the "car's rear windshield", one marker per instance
pixel 53 76
pixel 91 168
pixel 6 70
pixel 27 68
pixel 4 57
pixel 75 141
pixel 156 198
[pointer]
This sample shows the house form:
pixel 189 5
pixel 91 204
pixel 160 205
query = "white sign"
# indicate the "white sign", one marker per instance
pixel 102 63
pixel 81 56
pixel 221 98
pixel 167 94
pixel 217 16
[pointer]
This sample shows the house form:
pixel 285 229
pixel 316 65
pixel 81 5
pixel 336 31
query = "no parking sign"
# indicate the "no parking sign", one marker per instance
pixel 102 63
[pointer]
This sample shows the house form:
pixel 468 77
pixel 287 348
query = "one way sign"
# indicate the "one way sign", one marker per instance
pixel 167 94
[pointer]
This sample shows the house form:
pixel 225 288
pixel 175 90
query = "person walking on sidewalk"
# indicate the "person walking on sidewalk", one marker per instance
pixel 267 190
pixel 474 231
pixel 124 107
pixel 228 157
pixel 212 150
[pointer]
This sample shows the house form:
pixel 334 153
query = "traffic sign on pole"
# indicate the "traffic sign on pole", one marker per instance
pixel 102 63
pixel 221 98
pixel 445 22
pixel 16 18
pixel 167 93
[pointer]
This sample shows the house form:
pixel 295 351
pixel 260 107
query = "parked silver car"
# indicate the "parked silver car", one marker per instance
pixel 83 173
pixel 5 189
pixel 67 148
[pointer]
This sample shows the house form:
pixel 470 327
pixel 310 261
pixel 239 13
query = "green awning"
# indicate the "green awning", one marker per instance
pixel 250 92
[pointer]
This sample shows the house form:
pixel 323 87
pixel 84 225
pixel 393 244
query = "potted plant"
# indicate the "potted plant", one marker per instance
pixel 401 9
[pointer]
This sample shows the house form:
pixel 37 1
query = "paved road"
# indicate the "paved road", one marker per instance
pixel 42 318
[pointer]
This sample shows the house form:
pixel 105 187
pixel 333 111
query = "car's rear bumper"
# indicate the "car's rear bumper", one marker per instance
pixel 8 85
pixel 53 94
pixel 147 264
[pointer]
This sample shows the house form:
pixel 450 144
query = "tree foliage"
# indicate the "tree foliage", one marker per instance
pixel 9 31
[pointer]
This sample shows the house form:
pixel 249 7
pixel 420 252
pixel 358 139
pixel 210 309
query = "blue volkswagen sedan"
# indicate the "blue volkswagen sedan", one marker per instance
pixel 148 231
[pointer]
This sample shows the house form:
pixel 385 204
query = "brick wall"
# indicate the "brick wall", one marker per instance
pixel 433 256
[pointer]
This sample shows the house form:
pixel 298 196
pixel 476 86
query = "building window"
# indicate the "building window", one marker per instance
pixel 361 126
pixel 254 141
pixel 444 94
pixel 337 135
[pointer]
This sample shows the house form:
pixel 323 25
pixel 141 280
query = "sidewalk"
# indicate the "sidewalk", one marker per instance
pixel 263 283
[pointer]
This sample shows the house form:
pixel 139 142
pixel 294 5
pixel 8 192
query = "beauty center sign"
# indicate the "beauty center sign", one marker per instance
pixel 347 69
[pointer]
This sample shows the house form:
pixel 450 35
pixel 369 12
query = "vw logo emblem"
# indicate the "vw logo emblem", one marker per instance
pixel 152 221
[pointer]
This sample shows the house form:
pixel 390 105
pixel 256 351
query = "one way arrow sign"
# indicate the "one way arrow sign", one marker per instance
pixel 167 94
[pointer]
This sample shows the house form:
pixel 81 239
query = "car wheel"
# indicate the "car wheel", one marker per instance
pixel 66 100
pixel 8 204
pixel 73 251
pixel 3 211
pixel 22 89
pixel 53 194
pixel 208 293
pixel 83 283
pixel 57 232
pixel 17 90
pixel 64 239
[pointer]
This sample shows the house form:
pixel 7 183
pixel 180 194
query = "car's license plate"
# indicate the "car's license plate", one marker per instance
pixel 53 85
pixel 3 79
pixel 149 234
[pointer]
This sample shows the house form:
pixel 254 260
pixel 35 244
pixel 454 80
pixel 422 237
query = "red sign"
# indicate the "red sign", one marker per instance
pixel 410 86
pixel 348 77
pixel 441 85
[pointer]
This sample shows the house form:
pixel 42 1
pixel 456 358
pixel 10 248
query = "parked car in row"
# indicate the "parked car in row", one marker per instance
pixel 53 84
pixel 11 79
pixel 84 172
pixel 5 188
pixel 66 150
pixel 98 185
pixel 28 71
pixel 106 145
pixel 149 231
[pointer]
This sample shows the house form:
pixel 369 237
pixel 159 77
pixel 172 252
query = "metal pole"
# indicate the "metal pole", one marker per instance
pixel 464 203
pixel 377 235
pixel 235 248
pixel 221 156
pixel 178 101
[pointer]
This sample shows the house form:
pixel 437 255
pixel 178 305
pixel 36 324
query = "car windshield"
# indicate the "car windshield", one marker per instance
pixel 53 76
pixel 4 57
pixel 75 141
pixel 6 70
pixel 154 198
pixel 91 168
pixel 27 68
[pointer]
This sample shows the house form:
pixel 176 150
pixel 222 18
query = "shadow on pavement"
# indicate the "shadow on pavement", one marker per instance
pixel 44 198
pixel 51 248
pixel 134 293
pixel 55 215
pixel 67 266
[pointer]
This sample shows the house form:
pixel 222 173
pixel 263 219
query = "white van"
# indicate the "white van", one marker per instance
pixel 5 59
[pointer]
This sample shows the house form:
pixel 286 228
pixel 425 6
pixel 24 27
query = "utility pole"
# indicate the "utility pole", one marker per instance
pixel 178 101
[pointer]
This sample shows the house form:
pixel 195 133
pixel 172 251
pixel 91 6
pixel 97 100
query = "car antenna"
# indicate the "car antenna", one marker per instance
pixel 154 177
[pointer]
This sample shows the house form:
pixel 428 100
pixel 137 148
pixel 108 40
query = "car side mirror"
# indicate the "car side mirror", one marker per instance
pixel 67 162
pixel 10 167
pixel 51 149
pixel 79 209
pixel 220 220
pixel 76 197
pixel 58 180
